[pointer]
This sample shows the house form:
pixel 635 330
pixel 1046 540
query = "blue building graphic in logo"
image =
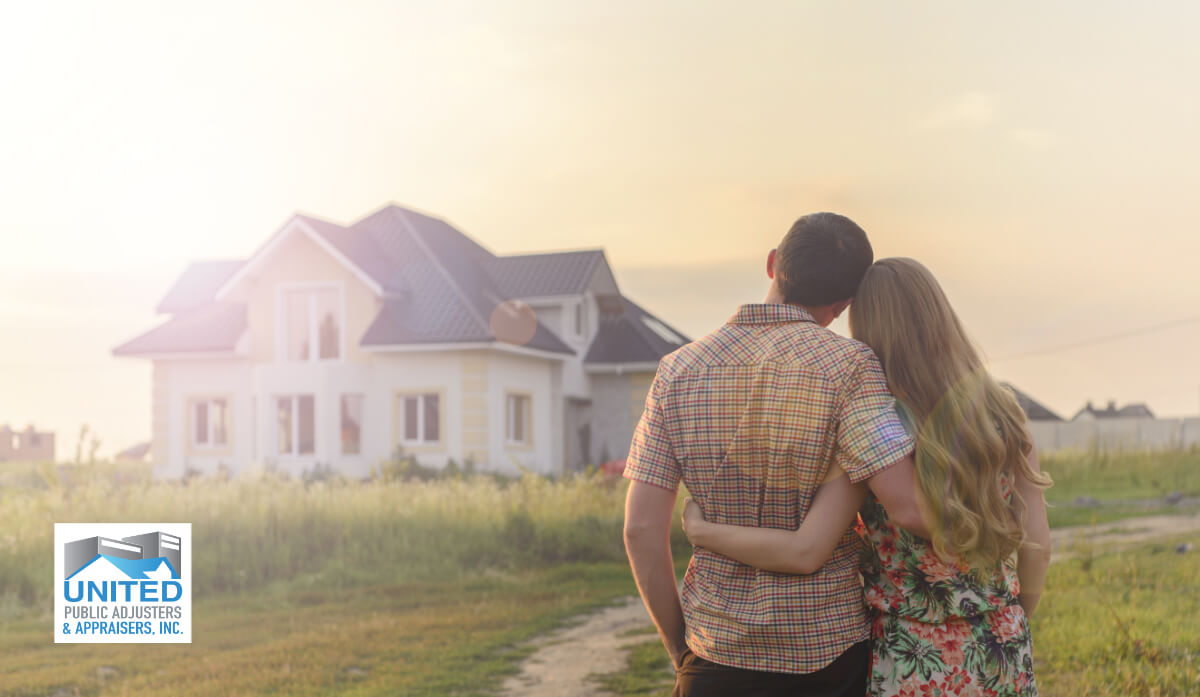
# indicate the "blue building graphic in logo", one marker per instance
pixel 152 555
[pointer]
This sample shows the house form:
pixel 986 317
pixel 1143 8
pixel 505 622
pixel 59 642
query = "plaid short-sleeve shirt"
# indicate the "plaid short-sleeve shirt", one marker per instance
pixel 750 418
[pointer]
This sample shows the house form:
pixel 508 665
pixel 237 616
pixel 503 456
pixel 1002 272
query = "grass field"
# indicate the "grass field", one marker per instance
pixel 1126 485
pixel 430 587
pixel 428 639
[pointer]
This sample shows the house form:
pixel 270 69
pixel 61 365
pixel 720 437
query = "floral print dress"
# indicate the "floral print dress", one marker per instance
pixel 937 630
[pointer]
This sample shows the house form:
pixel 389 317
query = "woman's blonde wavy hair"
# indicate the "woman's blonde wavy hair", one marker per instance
pixel 970 431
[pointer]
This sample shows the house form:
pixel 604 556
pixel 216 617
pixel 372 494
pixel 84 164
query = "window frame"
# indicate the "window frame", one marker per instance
pixel 526 399
pixel 310 288
pixel 294 398
pixel 399 398
pixel 362 408
pixel 210 445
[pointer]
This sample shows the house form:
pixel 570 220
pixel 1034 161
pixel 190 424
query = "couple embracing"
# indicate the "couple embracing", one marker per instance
pixel 866 514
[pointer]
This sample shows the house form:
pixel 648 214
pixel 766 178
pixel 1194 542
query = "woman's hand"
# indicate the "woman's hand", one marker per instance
pixel 693 521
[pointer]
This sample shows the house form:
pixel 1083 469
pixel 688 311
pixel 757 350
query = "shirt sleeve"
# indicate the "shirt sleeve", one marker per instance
pixel 651 457
pixel 871 436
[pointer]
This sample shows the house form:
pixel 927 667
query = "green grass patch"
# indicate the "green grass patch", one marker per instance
pixel 419 640
pixel 259 533
pixel 1126 485
pixel 1061 516
pixel 647 673
pixel 1122 476
pixel 1121 624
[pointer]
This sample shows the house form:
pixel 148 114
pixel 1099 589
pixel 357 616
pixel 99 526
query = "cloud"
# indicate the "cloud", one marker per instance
pixel 966 110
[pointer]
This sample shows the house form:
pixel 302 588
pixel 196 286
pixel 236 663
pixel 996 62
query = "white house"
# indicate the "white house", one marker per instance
pixel 336 345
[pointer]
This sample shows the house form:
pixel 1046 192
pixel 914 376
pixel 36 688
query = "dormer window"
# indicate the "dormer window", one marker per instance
pixel 311 323
pixel 579 319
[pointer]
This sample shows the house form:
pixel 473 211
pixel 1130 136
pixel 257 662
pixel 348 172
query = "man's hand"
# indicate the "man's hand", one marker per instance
pixel 648 511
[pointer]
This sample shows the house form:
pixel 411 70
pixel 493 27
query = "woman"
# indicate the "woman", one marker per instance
pixel 949 613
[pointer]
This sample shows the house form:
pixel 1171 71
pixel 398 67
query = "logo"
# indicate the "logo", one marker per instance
pixel 123 583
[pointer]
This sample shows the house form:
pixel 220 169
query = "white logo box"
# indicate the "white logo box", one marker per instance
pixel 102 603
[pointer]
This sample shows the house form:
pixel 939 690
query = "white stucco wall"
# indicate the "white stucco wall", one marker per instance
pixel 535 377
pixel 186 380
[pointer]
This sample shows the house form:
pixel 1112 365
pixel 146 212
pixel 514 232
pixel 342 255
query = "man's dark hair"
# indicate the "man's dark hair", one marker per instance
pixel 822 259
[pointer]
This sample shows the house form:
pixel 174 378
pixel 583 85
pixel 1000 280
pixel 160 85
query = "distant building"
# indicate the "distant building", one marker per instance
pixel 1034 411
pixel 1129 411
pixel 25 446
pixel 136 453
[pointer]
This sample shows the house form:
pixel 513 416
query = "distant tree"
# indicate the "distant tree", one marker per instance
pixel 83 434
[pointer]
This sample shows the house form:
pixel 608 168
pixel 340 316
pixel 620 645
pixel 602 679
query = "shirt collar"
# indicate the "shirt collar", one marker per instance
pixel 770 313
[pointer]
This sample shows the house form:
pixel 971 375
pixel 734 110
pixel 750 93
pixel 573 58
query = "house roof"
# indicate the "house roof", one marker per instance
pixel 1034 410
pixel 438 286
pixel 1137 410
pixel 211 328
pixel 629 334
pixel 542 275
pixel 439 290
pixel 198 284
pixel 135 452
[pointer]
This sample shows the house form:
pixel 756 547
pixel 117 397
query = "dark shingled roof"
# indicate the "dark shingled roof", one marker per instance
pixel 627 334
pixel 542 275
pixel 434 273
pixel 214 327
pixel 439 287
pixel 1129 411
pixel 1034 411
pixel 434 279
pixel 198 284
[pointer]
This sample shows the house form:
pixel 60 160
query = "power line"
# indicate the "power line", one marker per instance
pixel 1101 339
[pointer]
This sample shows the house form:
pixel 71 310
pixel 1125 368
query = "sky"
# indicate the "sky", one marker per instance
pixel 1040 158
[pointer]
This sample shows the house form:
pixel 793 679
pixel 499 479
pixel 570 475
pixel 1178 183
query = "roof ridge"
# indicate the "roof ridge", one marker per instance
pixel 582 250
pixel 319 219
pixel 437 263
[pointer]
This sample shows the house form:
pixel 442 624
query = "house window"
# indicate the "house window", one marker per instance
pixel 516 419
pixel 210 423
pixel 295 425
pixel 579 317
pixel 420 418
pixel 351 424
pixel 311 317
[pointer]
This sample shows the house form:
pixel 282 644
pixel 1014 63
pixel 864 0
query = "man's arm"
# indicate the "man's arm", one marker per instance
pixel 875 447
pixel 648 511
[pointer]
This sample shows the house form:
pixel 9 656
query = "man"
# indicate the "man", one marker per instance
pixel 751 418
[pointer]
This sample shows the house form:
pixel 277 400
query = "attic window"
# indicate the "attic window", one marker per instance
pixel 663 331
pixel 311 322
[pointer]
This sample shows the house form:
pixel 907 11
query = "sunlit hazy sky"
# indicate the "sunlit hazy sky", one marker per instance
pixel 1041 159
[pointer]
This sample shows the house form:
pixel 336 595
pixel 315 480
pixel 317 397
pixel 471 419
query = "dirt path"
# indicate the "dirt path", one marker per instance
pixel 1121 533
pixel 565 658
